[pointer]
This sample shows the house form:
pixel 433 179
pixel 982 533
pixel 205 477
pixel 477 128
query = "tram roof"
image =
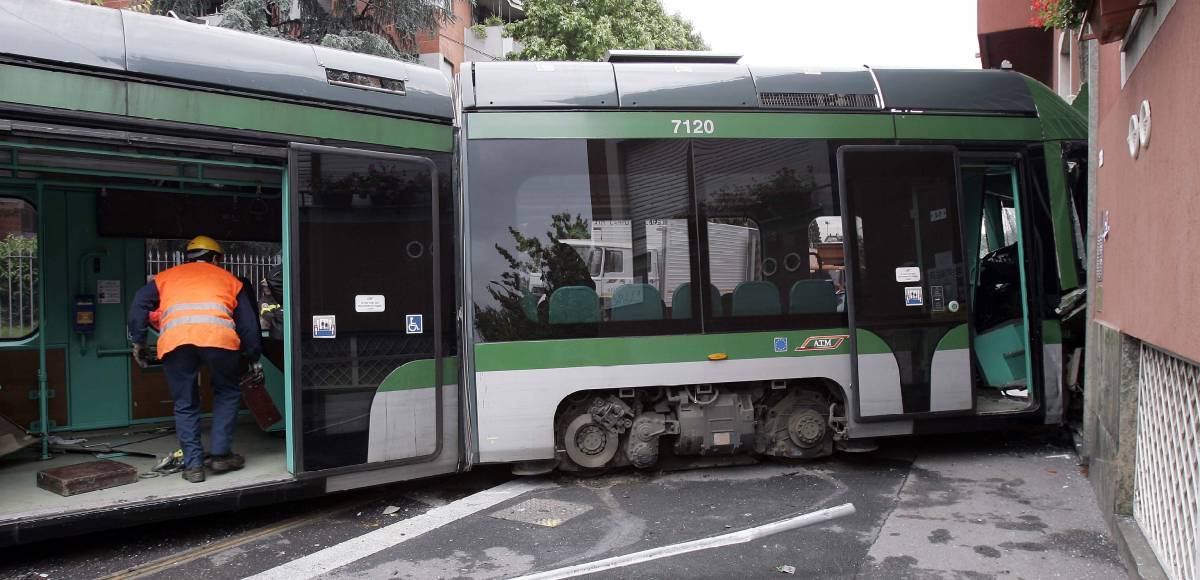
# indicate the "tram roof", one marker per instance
pixel 650 84
pixel 60 32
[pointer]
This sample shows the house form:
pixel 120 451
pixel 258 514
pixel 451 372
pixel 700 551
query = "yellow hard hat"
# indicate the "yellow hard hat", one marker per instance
pixel 204 243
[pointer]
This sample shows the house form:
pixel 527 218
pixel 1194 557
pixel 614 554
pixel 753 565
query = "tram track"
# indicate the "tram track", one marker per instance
pixel 184 557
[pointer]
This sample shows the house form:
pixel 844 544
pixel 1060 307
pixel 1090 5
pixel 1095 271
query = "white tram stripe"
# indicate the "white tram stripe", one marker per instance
pixel 738 537
pixel 370 543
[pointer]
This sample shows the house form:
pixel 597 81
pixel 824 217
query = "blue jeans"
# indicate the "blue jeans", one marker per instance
pixel 182 367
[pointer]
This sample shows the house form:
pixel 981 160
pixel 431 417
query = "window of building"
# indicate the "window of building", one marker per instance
pixel 1066 44
pixel 18 269
pixel 771 226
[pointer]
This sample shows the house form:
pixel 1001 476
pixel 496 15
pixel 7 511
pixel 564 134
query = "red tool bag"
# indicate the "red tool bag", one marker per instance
pixel 258 400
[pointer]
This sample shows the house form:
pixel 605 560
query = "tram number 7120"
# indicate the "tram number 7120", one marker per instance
pixel 693 126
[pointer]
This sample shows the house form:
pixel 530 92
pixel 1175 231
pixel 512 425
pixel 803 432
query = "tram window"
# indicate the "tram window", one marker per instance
pixel 18 269
pixel 580 238
pixel 762 200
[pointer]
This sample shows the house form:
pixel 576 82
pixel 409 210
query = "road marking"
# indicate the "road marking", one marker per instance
pixel 355 549
pixel 738 537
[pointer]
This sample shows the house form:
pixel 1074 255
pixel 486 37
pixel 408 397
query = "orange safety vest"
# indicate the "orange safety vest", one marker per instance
pixel 196 301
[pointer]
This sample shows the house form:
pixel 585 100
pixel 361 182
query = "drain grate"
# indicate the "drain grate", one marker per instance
pixel 542 512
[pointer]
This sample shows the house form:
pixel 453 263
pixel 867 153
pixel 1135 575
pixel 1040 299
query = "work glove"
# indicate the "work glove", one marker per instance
pixel 256 370
pixel 141 355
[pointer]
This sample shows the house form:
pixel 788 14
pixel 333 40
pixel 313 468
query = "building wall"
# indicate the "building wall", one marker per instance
pixel 448 41
pixel 1151 273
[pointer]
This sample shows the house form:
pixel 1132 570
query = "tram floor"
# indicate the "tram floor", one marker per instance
pixel 22 498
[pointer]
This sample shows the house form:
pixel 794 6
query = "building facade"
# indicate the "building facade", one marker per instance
pixel 1140 429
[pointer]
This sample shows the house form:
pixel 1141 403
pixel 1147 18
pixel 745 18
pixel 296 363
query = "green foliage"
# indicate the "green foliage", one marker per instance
pixel 479 30
pixel 586 29
pixel 386 28
pixel 364 42
pixel 1058 14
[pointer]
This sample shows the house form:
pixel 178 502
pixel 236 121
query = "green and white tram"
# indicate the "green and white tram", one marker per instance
pixel 674 252
pixel 574 265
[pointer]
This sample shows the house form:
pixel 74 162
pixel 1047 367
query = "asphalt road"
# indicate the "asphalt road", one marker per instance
pixel 985 506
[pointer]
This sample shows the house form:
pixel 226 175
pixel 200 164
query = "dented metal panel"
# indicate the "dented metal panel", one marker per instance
pixel 685 86
pixel 545 85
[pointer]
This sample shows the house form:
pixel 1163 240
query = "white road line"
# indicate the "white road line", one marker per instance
pixel 365 545
pixel 737 537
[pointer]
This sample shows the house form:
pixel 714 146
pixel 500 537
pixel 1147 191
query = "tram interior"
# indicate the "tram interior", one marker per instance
pixel 1001 383
pixel 108 216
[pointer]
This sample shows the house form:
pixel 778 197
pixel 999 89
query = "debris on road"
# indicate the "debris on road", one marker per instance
pixel 390 510
pixel 786 569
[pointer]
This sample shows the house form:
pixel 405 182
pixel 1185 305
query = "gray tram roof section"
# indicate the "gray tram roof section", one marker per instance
pixel 168 49
pixel 657 85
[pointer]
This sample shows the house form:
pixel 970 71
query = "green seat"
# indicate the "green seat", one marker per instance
pixel 756 298
pixel 1001 353
pixel 681 301
pixel 637 302
pixel 529 305
pixel 812 296
pixel 574 305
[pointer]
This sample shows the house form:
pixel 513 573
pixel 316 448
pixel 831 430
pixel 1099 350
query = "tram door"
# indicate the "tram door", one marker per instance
pixel 907 290
pixel 366 343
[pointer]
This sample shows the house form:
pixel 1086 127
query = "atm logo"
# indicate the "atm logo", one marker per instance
pixel 822 342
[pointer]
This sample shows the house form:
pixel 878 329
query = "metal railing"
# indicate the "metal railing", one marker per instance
pixel 18 290
pixel 1166 501
pixel 252 267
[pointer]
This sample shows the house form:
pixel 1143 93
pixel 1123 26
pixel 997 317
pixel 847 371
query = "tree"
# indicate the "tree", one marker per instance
pixel 586 29
pixel 387 28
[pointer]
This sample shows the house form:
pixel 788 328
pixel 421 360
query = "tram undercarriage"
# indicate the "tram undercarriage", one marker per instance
pixel 599 429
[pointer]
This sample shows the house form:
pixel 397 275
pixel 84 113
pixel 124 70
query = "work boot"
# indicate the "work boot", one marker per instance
pixel 223 463
pixel 194 475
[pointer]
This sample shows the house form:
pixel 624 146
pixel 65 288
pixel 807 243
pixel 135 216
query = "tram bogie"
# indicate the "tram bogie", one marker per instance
pixel 618 427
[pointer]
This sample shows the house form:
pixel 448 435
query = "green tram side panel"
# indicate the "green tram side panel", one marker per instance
pixel 418 374
pixel 671 125
pixel 636 350
pixel 967 128
pixel 60 90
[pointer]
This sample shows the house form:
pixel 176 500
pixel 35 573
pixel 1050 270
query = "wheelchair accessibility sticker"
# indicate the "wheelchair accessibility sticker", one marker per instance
pixel 833 342
pixel 781 344
pixel 414 323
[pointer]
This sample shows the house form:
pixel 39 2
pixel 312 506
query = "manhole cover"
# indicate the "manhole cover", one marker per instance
pixel 542 512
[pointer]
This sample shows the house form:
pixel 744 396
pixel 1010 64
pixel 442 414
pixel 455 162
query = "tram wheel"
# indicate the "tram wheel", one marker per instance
pixel 589 445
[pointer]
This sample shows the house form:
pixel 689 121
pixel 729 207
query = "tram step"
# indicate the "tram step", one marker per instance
pixel 84 477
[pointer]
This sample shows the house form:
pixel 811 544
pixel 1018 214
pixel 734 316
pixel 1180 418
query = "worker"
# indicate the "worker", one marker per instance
pixel 206 319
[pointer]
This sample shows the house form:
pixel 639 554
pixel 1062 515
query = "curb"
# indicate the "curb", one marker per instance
pixel 1139 558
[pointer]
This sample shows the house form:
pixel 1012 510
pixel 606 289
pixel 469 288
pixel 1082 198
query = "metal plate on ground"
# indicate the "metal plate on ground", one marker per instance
pixel 542 512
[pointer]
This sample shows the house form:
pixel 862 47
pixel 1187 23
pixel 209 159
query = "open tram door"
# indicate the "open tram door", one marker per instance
pixel 906 288
pixel 368 384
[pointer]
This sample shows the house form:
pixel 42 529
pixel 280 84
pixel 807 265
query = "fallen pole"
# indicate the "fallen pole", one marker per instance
pixel 738 537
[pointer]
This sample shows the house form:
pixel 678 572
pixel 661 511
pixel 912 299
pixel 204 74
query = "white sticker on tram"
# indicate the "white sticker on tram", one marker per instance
pixel 355 549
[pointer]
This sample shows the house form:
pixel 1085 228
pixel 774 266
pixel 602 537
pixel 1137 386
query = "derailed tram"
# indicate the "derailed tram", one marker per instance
pixel 574 265
pixel 680 253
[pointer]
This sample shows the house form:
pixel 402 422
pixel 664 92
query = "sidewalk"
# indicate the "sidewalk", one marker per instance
pixel 1006 510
